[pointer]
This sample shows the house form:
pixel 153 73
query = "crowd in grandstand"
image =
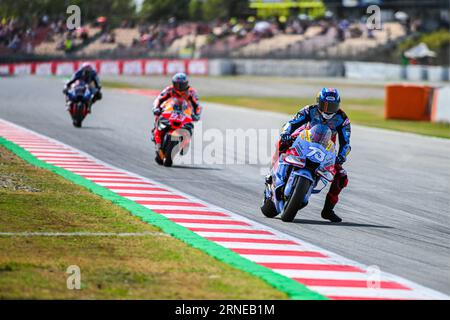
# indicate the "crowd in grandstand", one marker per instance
pixel 15 36
pixel 220 37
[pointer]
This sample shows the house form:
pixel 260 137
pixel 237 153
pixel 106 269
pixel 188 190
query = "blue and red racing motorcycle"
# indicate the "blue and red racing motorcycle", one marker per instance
pixel 304 169
pixel 78 102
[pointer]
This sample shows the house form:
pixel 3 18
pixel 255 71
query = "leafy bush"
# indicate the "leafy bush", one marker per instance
pixel 438 41
pixel 434 40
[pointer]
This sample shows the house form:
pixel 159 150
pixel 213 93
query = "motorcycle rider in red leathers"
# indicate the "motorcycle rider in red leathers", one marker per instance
pixel 327 111
pixel 179 89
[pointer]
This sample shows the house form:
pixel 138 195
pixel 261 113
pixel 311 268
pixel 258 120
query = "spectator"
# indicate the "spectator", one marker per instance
pixel 15 43
pixel 68 44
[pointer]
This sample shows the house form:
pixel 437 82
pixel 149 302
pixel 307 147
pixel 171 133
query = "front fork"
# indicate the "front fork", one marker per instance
pixel 290 180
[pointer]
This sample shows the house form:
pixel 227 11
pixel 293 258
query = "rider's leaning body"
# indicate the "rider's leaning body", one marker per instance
pixel 88 75
pixel 180 90
pixel 326 111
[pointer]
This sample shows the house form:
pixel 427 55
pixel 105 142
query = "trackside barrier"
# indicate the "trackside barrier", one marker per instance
pixel 386 72
pixel 218 67
pixel 416 73
pixel 290 68
pixel 155 67
pixel 441 105
pixel 110 67
pixel 43 69
pixel 322 68
pixel 372 71
pixel 416 102
pixel 409 102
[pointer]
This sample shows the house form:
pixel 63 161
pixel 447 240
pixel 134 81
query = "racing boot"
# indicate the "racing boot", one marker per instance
pixel 328 212
pixel 158 158
pixel 153 134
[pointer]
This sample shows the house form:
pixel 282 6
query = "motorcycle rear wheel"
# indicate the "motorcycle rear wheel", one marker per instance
pixel 295 202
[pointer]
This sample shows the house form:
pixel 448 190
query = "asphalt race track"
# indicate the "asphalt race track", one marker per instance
pixel 258 86
pixel 395 209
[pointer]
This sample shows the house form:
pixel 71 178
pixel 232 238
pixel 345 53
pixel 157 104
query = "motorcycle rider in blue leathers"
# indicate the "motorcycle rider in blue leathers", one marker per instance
pixel 326 111
pixel 88 75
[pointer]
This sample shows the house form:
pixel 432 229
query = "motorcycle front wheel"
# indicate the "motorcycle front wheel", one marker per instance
pixel 169 151
pixel 78 115
pixel 296 201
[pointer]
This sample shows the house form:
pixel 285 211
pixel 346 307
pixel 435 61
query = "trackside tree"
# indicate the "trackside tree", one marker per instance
pixel 32 11
pixel 264 8
pixel 193 9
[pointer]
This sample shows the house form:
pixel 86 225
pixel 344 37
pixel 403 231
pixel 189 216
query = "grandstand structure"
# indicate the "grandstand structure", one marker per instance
pixel 313 34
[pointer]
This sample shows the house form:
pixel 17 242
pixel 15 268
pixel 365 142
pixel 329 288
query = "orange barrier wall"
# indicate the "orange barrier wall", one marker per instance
pixel 408 102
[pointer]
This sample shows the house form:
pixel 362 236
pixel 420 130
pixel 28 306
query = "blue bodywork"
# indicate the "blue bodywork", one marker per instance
pixel 80 92
pixel 311 163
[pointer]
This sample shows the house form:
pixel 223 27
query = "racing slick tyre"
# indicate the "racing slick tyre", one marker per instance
pixel 78 116
pixel 169 151
pixel 296 201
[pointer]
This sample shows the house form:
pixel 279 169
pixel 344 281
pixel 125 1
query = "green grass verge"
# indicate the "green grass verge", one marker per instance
pixel 121 85
pixel 292 288
pixel 366 112
pixel 144 267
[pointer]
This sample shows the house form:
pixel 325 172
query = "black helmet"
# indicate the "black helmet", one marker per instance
pixel 86 69
pixel 180 82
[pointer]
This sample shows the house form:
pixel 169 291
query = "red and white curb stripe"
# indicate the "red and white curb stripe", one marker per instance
pixel 320 270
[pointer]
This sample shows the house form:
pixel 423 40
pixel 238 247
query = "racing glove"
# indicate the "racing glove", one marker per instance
pixel 340 159
pixel 65 90
pixel 156 112
pixel 285 137
pixel 195 117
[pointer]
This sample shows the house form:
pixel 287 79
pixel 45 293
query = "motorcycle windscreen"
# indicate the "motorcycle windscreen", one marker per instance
pixel 79 92
pixel 320 134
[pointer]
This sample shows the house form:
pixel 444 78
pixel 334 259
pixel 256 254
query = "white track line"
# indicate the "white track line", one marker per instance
pixel 318 274
pixel 82 234
pixel 245 245
pixel 213 226
pixel 233 235
pixel 369 293
pixel 287 259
